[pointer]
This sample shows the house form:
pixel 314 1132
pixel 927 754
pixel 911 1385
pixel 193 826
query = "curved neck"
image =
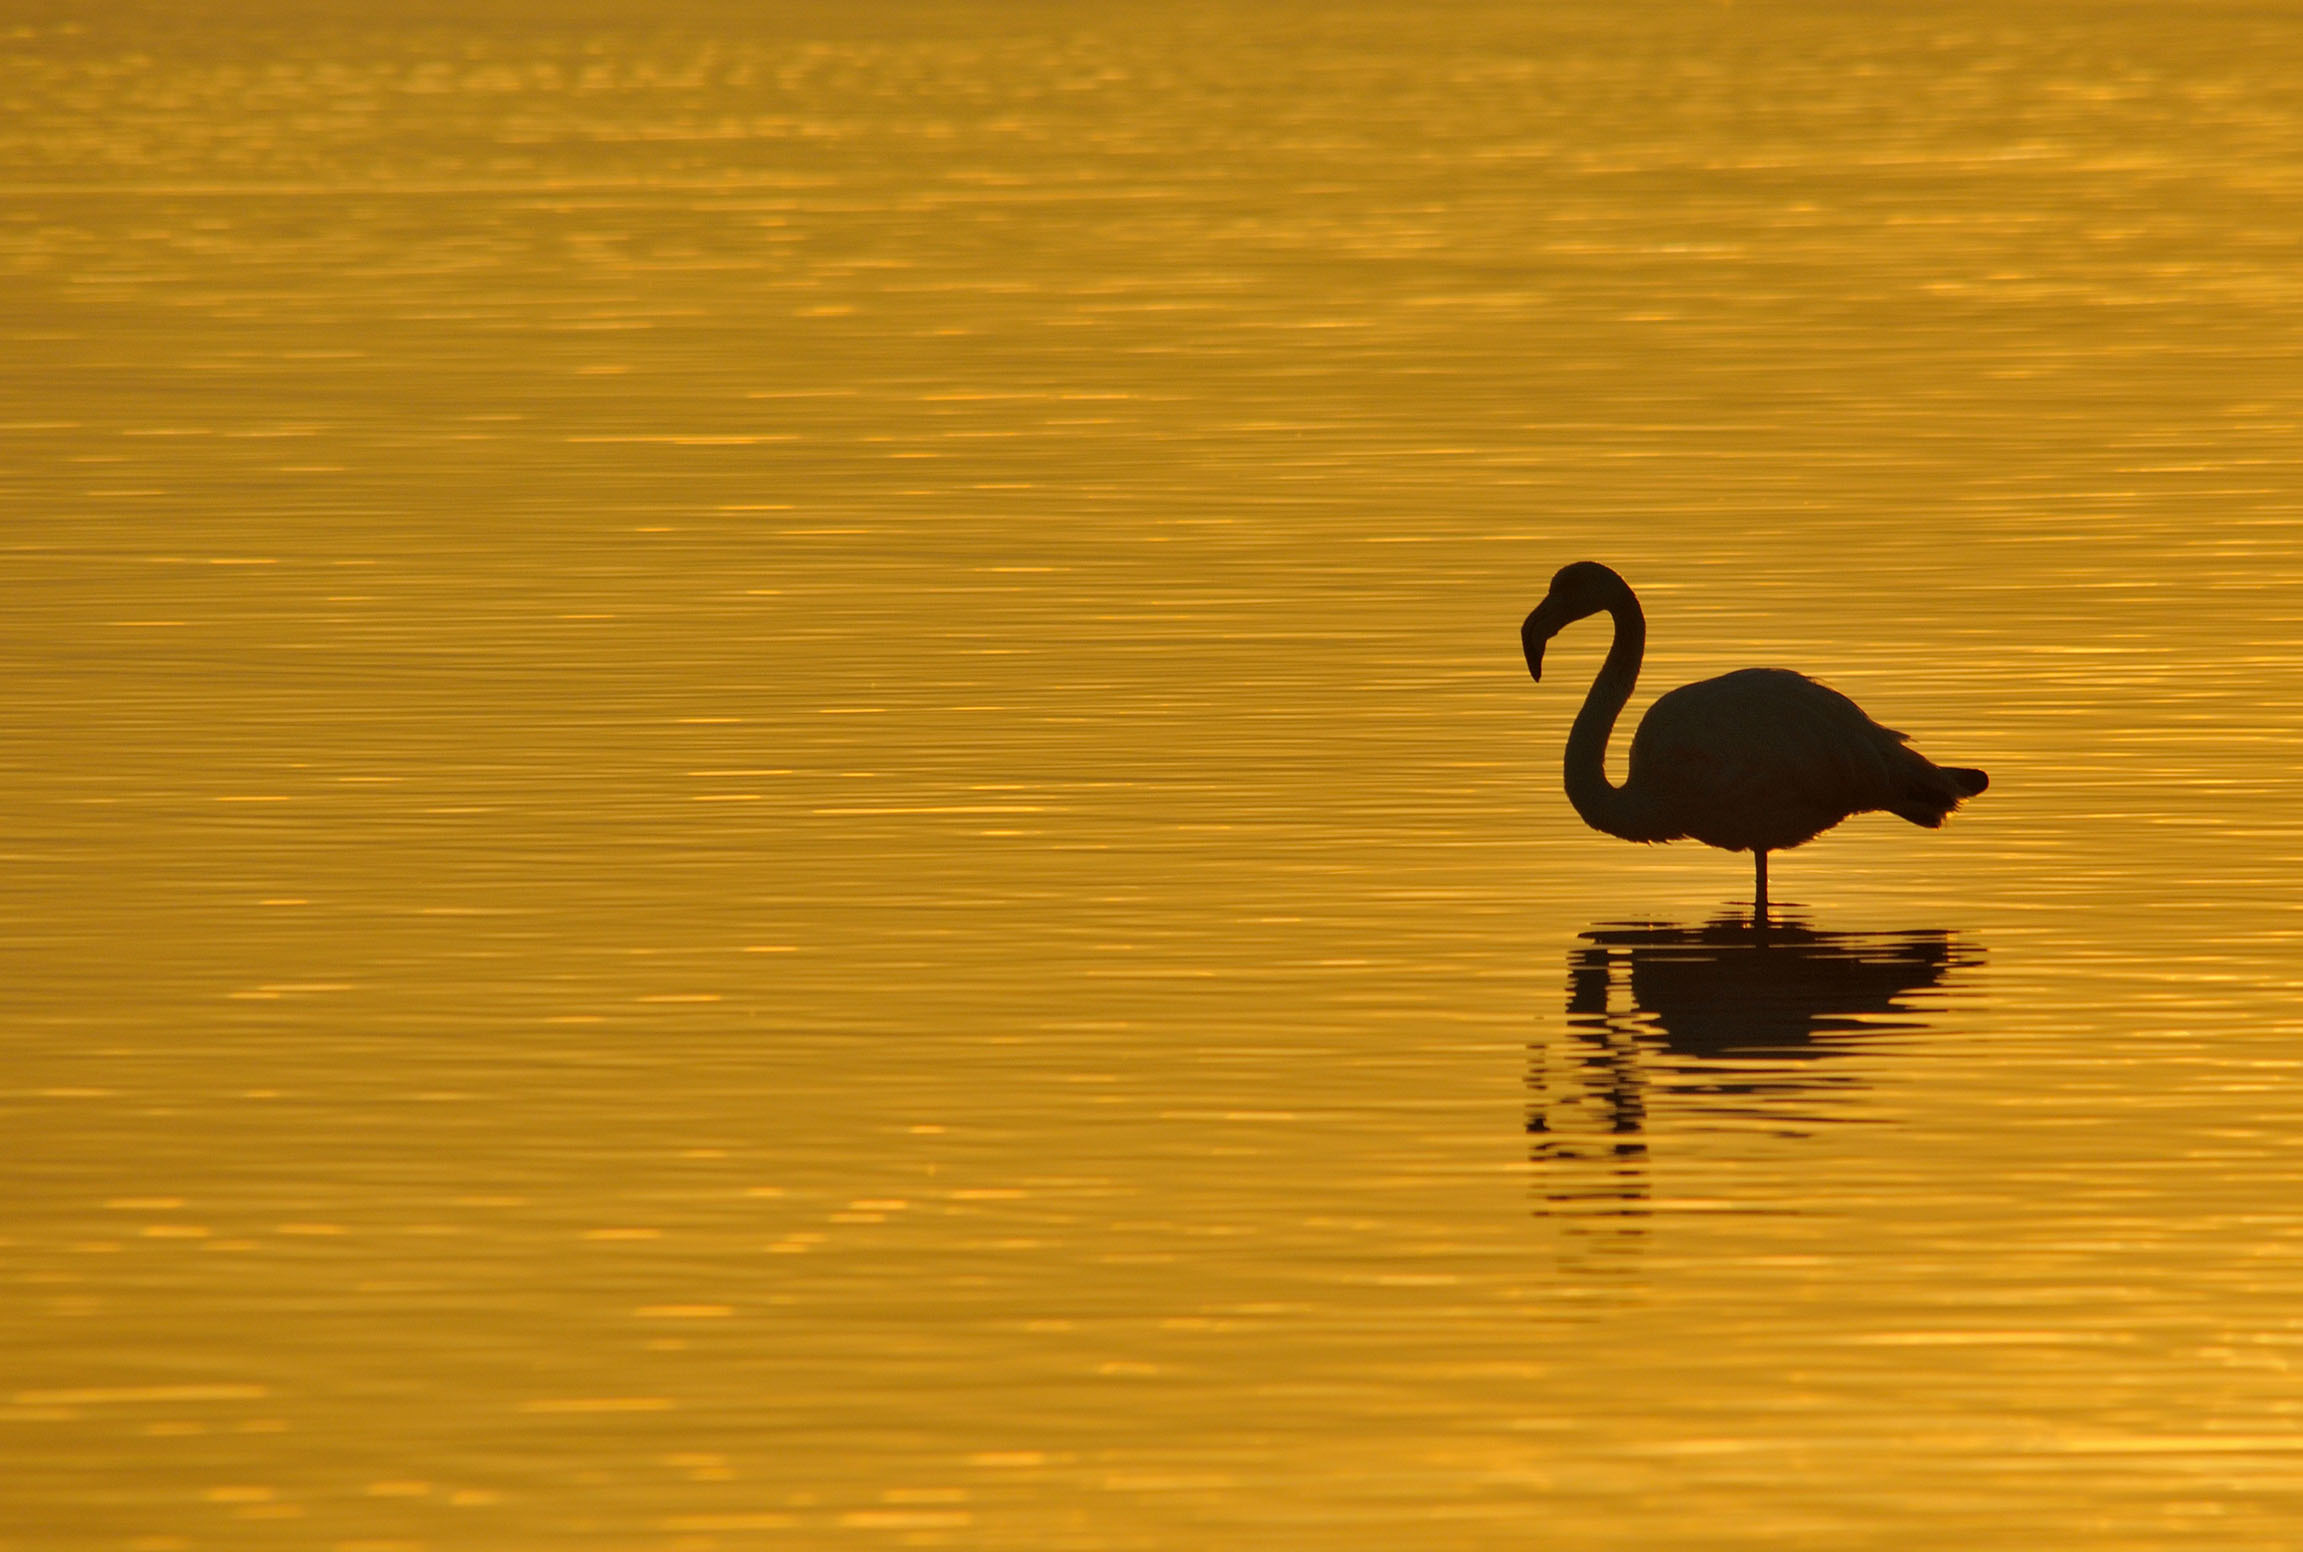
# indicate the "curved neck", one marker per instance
pixel 1603 805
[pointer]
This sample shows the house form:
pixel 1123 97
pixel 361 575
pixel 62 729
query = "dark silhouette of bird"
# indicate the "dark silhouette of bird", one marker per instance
pixel 1759 760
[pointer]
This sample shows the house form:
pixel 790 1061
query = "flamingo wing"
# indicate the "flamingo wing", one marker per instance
pixel 1763 758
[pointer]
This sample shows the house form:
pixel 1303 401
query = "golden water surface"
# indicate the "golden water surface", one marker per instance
pixel 765 781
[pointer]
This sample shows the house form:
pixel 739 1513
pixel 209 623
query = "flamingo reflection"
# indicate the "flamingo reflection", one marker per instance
pixel 1727 1025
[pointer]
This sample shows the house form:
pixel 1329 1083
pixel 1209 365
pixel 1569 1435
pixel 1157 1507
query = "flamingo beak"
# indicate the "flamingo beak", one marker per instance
pixel 1539 628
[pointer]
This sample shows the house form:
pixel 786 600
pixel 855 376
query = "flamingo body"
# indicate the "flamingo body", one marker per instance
pixel 1759 760
pixel 1765 759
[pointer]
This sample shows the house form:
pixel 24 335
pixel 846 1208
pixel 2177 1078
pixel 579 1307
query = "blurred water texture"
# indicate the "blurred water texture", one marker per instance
pixel 767 782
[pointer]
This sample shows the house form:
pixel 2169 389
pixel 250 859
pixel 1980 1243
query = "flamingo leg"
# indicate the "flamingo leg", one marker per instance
pixel 1759 887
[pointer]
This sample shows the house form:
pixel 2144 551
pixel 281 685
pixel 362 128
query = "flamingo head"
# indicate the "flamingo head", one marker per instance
pixel 1578 590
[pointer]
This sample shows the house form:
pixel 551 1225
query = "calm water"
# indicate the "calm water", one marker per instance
pixel 767 784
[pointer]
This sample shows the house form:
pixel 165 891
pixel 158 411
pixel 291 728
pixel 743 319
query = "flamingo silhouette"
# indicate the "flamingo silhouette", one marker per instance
pixel 1758 760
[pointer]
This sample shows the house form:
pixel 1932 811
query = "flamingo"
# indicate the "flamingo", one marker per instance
pixel 1759 760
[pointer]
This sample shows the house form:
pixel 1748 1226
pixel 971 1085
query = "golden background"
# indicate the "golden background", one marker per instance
pixel 766 780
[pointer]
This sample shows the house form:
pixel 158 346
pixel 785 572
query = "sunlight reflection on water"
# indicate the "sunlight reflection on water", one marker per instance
pixel 769 778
